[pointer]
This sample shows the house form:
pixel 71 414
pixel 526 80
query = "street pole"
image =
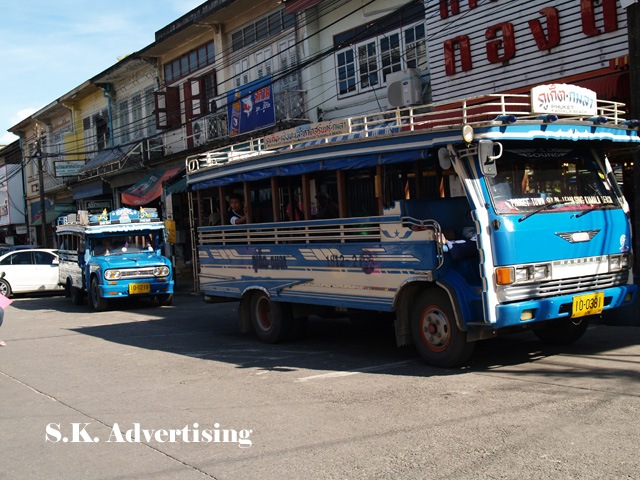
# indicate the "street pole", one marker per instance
pixel 43 211
pixel 633 26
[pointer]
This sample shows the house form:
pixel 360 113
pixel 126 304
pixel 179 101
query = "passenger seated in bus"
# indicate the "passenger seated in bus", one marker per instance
pixel 104 249
pixel 237 210
pixel 326 208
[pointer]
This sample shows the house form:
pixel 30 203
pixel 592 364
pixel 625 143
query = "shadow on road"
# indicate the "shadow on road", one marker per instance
pixel 210 332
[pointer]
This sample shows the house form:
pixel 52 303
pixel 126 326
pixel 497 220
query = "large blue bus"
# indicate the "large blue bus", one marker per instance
pixel 460 221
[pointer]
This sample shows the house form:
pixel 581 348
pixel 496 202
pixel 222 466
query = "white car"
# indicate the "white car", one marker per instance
pixel 33 270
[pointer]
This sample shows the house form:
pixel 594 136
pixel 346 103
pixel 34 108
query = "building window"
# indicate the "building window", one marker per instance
pixel 365 65
pixel 189 63
pixel 262 29
pixel 366 54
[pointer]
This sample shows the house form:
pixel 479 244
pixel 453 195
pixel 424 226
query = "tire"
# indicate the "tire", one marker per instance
pixel 435 332
pixel 163 300
pixel 97 302
pixel 563 331
pixel 272 321
pixel 77 295
pixel 5 288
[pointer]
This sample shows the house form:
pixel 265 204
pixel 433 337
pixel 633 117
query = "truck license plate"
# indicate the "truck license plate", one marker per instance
pixel 137 288
pixel 591 304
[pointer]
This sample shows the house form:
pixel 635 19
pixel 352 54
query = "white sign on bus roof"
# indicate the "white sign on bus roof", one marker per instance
pixel 564 99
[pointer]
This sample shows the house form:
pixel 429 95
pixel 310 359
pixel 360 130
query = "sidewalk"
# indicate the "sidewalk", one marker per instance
pixel 625 316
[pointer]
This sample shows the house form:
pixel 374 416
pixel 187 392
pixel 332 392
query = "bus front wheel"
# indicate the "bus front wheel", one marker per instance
pixel 271 320
pixel 435 333
pixel 563 331
pixel 98 303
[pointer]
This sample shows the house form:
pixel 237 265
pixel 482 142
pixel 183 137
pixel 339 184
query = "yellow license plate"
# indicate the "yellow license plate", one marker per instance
pixel 137 288
pixel 591 304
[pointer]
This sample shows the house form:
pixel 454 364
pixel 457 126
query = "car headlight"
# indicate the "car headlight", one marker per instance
pixel 523 274
pixel 112 274
pixel 162 271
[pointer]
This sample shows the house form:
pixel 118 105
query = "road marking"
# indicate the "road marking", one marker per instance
pixel 372 368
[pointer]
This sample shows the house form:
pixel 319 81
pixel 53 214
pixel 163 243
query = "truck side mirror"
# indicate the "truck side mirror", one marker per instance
pixel 488 156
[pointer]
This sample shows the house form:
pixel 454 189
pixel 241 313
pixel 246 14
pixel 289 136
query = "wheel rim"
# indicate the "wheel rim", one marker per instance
pixel 263 314
pixel 3 289
pixel 435 329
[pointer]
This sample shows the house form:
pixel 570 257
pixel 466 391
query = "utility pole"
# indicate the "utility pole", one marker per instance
pixel 43 211
pixel 633 26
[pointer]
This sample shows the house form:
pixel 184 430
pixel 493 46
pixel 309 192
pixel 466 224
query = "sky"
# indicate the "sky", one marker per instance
pixel 49 47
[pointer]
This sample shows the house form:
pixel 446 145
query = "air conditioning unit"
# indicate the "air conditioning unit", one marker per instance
pixel 404 88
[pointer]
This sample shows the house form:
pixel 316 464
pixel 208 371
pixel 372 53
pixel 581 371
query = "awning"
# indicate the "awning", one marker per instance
pixel 110 159
pixel 53 212
pixel 612 87
pixel 149 188
pixel 178 187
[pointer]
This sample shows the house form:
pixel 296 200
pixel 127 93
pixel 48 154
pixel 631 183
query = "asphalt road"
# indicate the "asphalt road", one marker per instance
pixel 177 393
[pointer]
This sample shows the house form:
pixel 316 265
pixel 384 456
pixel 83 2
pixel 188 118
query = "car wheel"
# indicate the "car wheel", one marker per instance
pixel 163 300
pixel 5 288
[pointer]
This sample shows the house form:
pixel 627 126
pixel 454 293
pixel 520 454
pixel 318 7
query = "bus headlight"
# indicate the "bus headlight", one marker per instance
pixel 162 271
pixel 112 274
pixel 523 274
pixel 619 262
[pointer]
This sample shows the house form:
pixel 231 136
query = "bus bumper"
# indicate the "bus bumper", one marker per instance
pixel 532 311
pixel 120 290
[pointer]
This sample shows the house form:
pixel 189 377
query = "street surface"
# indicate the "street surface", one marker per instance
pixel 129 387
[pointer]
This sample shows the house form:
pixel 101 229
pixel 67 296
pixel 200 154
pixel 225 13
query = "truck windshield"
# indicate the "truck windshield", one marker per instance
pixel 122 244
pixel 543 180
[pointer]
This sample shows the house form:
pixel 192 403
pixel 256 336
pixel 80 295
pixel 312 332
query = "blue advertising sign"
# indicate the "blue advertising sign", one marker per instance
pixel 251 107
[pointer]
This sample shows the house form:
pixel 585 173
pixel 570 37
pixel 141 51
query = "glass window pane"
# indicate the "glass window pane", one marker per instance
pixel 202 57
pixel 193 61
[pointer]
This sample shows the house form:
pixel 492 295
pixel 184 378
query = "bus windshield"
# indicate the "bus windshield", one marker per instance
pixel 119 245
pixel 542 180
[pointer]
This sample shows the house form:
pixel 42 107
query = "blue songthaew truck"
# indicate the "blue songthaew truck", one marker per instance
pixel 114 255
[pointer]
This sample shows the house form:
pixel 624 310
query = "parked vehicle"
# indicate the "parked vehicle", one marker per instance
pixel 114 255
pixel 29 270
pixel 464 220
pixel 5 248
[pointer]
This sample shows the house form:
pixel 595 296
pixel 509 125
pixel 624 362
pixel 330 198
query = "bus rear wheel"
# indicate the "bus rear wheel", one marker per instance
pixel 563 331
pixel 435 333
pixel 271 320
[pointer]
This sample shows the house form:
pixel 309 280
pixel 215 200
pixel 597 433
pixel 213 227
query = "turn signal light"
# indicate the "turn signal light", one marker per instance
pixel 504 276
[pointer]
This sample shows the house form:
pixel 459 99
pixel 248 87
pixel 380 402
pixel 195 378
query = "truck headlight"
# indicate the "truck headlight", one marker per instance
pixel 162 271
pixel 112 274
pixel 619 262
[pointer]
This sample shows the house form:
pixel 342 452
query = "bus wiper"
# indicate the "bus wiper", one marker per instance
pixel 543 207
pixel 588 210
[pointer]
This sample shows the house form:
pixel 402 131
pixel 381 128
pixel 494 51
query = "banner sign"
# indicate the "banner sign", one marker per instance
pixel 305 133
pixel 68 168
pixel 564 99
pixel 251 107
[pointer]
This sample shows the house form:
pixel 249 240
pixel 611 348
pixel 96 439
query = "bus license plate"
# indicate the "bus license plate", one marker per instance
pixel 591 304
pixel 137 288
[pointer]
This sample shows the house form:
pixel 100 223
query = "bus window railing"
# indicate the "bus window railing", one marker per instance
pixel 479 110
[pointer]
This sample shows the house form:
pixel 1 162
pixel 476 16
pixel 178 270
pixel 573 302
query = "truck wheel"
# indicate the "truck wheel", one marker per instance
pixel 271 320
pixel 435 333
pixel 98 303
pixel 77 297
pixel 563 331
pixel 5 288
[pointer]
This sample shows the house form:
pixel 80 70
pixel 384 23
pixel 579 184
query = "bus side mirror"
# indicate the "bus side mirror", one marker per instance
pixel 487 155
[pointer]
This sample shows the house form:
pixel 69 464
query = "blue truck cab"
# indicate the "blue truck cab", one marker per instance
pixel 114 255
